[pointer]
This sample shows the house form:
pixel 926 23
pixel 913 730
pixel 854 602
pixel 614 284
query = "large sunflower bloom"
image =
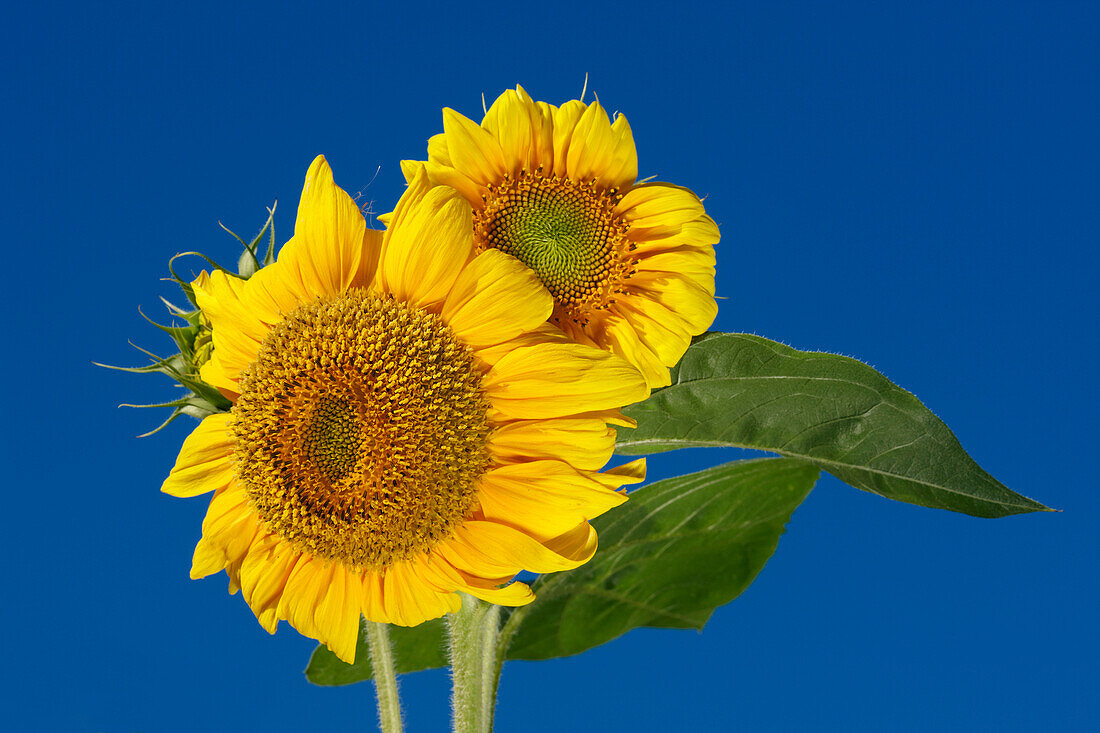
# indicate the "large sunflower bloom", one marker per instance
pixel 403 427
pixel 630 265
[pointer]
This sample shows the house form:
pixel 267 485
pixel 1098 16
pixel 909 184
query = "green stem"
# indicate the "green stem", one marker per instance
pixel 500 648
pixel 385 678
pixel 472 632
pixel 492 659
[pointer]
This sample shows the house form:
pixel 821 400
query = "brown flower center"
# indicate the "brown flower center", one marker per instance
pixel 360 429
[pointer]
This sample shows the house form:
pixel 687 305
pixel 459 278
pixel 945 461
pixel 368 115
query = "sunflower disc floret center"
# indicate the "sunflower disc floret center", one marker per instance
pixel 564 230
pixel 361 429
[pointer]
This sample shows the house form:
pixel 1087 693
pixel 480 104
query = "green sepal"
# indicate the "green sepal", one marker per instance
pixel 193 340
pixel 249 263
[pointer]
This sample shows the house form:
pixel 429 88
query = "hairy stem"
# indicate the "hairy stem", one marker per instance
pixel 385 678
pixel 491 662
pixel 472 632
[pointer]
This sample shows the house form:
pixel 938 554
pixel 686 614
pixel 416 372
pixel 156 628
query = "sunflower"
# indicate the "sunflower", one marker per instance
pixel 404 424
pixel 630 265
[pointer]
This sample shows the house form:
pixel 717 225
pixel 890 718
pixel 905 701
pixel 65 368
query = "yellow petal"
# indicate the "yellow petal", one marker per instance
pixel 509 121
pixel 557 380
pixel 701 233
pixel 512 594
pixel 429 240
pixel 623 339
pixel 228 530
pixel 474 151
pixel 437 151
pixel 565 120
pixel 496 298
pixel 447 176
pixel 628 473
pixel 688 302
pixel 489 545
pixel 205 461
pixel 622 168
pixel 237 331
pixel 586 443
pixel 542 129
pixel 329 235
pixel 544 334
pixel 659 208
pixel 373 607
pixel 272 293
pixel 591 146
pixel 410 599
pixel 544 498
pixel 695 263
pixel 264 573
pixel 337 610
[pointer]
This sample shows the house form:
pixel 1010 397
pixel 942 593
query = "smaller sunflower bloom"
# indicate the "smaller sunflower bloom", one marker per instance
pixel 404 426
pixel 630 265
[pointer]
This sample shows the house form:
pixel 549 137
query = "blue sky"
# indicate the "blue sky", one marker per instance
pixel 912 186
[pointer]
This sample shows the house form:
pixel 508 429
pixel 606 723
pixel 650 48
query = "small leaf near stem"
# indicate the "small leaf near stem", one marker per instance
pixel 385 679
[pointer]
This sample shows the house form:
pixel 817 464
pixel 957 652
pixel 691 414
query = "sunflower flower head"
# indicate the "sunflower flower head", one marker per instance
pixel 630 265
pixel 404 426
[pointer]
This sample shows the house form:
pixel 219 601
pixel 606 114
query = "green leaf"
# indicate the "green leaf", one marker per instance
pixel 414 649
pixel 748 392
pixel 668 557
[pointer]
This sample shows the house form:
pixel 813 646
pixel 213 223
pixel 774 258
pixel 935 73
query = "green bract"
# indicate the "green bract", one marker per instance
pixel 193 342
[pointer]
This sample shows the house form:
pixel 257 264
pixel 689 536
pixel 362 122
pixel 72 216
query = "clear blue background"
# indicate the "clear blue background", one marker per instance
pixel 915 187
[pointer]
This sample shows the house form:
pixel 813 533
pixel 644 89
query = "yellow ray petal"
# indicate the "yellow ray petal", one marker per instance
pixel 447 176
pixel 591 146
pixel 429 240
pixel 409 599
pixel 509 121
pixel 496 298
pixel 437 151
pixel 542 128
pixel 474 151
pixel 329 235
pixel 373 607
pixel 557 380
pixel 264 574
pixel 691 302
pixel 565 120
pixel 623 338
pixel 337 609
pixel 543 498
pixel 659 208
pixel 228 531
pixel 586 443
pixel 495 545
pixel 205 461
pixel 628 473
pixel 544 334
pixel 696 263
pixel 622 168
pixel 237 331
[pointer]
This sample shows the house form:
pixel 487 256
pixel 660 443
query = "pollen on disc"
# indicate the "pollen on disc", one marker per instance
pixel 564 230
pixel 361 429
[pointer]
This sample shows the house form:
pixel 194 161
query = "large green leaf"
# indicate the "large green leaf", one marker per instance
pixel 668 557
pixel 748 392
pixel 414 649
